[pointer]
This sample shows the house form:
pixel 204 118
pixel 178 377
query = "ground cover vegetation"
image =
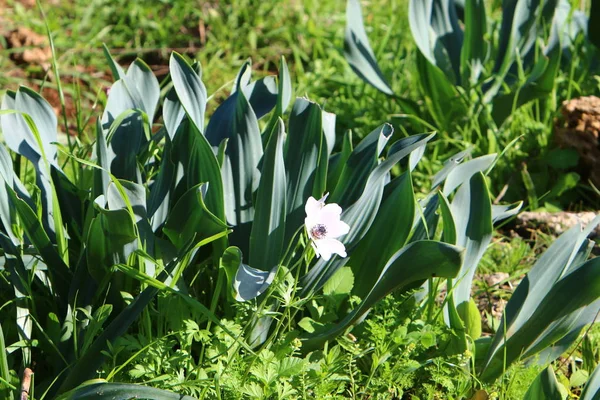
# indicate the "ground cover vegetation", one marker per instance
pixel 209 227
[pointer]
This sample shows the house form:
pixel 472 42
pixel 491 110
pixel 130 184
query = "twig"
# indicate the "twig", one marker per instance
pixel 26 383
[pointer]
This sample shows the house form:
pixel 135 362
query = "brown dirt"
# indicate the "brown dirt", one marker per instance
pixel 579 128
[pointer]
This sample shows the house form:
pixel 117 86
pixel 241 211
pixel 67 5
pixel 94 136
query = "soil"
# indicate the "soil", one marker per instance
pixel 579 128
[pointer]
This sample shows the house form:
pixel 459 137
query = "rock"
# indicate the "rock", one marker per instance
pixel 553 223
pixel 579 129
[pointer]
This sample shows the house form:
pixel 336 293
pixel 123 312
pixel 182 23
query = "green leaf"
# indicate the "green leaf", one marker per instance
pixel 566 254
pixel 189 88
pixel 517 36
pixel 196 162
pixel 472 211
pixel 387 235
pixel 357 49
pixel 191 219
pixel 268 229
pixel 290 366
pixel 4 371
pixel 579 378
pixel 462 173
pixel 474 49
pixel 442 98
pixel 434 26
pixel 363 159
pixel 250 283
pixel 127 136
pixel 159 201
pixel 59 273
pixel 566 296
pixel 341 283
pixel 302 154
pixel 413 264
pixel 284 96
pixel 115 68
pixel 240 173
pixel 546 387
pixel 469 314
pixel 143 79
pixel 34 141
pixel 591 390
pixel 102 390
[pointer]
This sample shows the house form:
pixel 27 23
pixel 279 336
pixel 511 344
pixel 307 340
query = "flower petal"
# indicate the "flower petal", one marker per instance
pixel 327 247
pixel 336 229
pixel 312 207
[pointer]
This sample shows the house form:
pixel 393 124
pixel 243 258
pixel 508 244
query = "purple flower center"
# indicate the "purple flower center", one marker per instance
pixel 318 231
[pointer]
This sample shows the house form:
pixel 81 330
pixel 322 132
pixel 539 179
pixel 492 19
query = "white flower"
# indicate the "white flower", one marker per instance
pixel 323 226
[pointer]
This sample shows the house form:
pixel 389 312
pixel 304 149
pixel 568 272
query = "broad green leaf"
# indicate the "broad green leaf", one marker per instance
pixel 449 165
pixel 546 387
pixel 458 341
pixel 291 366
pixel 127 136
pixel 426 218
pixel 412 264
pixel 469 314
pixel 474 49
pixel 341 283
pixel 337 162
pixel 566 296
pixel 142 78
pixel 435 28
pixel 591 390
pixel 517 36
pixel 101 175
pixel 540 83
pixel 250 283
pixel 102 390
pixel 357 49
pixel 361 162
pixel 18 277
pixel 472 211
pixel 566 254
pixel 449 227
pixel 500 212
pixel 110 239
pixel 190 218
pixel 442 99
pixel 7 213
pixel 268 229
pixel 240 173
pixel 173 112
pixel 33 130
pixel 189 88
pixel 231 262
pixel 387 235
pixel 462 173
pixel 284 96
pixel 302 154
pixel 159 201
pixel 196 163
pixel 59 272
pixel 23 139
